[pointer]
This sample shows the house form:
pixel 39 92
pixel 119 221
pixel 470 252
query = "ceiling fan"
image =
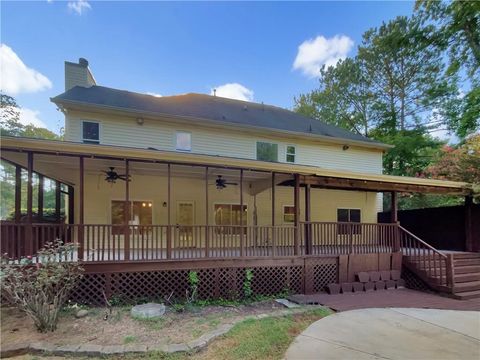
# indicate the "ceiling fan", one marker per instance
pixel 112 176
pixel 222 183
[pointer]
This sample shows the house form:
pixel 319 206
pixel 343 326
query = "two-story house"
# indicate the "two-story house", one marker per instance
pixel 141 178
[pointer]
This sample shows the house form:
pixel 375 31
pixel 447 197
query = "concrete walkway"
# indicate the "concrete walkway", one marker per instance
pixel 394 333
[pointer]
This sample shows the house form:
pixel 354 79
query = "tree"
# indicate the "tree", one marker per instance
pixel 457 29
pixel 10 124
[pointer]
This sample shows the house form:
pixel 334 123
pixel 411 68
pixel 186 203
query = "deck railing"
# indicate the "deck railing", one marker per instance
pixel 106 242
pixel 426 258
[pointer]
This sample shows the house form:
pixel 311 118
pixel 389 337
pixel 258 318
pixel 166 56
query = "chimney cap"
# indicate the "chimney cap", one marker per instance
pixel 83 62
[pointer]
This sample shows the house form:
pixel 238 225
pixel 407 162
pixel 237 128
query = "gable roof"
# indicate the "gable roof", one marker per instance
pixel 202 107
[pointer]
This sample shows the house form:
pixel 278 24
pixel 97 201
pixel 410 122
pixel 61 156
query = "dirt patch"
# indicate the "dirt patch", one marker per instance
pixel 120 328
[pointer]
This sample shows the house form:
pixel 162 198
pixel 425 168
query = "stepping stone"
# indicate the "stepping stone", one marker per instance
pixel 374 276
pixel 148 311
pixel 347 287
pixel 385 275
pixel 288 304
pixel 395 274
pixel 358 286
pixel 369 286
pixel 400 283
pixel 333 289
pixel 379 285
pixel 390 284
pixel 363 277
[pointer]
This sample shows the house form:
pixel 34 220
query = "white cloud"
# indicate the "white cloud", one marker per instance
pixel 16 77
pixel 79 6
pixel 233 91
pixel 314 53
pixel 154 94
pixel 31 117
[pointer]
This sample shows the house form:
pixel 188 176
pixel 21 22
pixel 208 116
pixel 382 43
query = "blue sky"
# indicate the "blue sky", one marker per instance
pixel 174 48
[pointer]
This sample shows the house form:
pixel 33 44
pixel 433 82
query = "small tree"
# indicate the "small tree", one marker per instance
pixel 40 290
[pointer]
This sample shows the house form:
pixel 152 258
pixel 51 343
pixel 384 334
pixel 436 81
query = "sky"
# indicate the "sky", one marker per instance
pixel 256 51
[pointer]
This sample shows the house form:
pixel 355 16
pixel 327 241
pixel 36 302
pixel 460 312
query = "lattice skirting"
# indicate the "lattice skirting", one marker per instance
pixel 214 282
pixel 412 281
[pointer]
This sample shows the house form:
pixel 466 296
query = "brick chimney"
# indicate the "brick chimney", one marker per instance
pixel 78 74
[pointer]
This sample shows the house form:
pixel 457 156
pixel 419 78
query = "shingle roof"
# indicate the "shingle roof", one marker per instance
pixel 207 107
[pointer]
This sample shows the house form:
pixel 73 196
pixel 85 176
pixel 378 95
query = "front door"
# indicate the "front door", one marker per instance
pixel 185 222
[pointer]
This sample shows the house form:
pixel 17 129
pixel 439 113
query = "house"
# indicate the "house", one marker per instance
pixel 213 184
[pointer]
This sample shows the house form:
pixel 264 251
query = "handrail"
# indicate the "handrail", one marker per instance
pixel 422 242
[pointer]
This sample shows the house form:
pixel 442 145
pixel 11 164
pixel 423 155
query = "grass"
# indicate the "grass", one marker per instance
pixel 129 339
pixel 251 339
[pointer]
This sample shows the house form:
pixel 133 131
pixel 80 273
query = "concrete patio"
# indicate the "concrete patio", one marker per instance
pixel 394 333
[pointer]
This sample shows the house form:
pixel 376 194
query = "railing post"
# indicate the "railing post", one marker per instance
pixel 350 234
pixel 81 238
pixel 450 272
pixel 396 238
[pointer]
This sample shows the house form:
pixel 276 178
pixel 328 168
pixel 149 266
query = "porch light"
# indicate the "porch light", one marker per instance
pixel 144 204
pixel 149 204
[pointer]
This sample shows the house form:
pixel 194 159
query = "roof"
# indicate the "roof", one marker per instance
pixel 204 108
pixel 108 151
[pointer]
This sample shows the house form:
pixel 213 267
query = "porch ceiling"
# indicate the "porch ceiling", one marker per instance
pixel 150 161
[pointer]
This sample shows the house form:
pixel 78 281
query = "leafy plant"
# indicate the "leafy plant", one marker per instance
pixel 247 284
pixel 41 290
pixel 193 282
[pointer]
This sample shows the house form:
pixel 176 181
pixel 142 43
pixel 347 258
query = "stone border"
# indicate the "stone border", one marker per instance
pixel 99 350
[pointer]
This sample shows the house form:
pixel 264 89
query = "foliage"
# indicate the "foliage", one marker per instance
pixel 460 163
pixel 247 284
pixel 193 282
pixel 41 290
pixel 10 124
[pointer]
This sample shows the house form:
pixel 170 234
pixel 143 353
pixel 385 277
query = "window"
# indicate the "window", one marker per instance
pixel 183 141
pixel 267 151
pixel 290 154
pixel 91 132
pixel 140 214
pixel 230 214
pixel 350 216
pixel 288 214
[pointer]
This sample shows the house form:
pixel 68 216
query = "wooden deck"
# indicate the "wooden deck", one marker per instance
pixel 401 298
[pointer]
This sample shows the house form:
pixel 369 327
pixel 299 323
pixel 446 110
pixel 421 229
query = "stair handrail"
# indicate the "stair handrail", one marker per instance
pixel 422 242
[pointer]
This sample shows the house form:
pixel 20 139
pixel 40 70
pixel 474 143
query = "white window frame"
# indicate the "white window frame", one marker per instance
pixel 175 142
pixel 90 141
pixel 294 154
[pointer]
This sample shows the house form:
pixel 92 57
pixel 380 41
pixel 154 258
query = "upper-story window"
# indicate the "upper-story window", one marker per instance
pixel 290 154
pixel 183 141
pixel 267 151
pixel 91 132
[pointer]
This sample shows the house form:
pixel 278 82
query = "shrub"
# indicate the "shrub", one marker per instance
pixel 247 284
pixel 193 281
pixel 41 290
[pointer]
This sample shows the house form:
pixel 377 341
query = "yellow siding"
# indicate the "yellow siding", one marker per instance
pixel 159 134
pixel 99 195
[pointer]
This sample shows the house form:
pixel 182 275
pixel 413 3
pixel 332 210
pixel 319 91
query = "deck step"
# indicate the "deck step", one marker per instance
pixel 466 262
pixel 467 286
pixel 461 278
pixel 467 295
pixel 467 256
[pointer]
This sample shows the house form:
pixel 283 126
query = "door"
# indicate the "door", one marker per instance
pixel 185 222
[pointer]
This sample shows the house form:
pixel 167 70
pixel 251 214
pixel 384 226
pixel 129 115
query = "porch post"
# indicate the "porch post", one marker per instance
pixel 241 214
pixel 394 220
pixel 126 212
pixel 394 207
pixel 469 245
pixel 207 251
pixel 40 197
pixel 273 198
pixel 29 229
pixel 296 199
pixel 169 220
pixel 81 208
pixel 308 233
pixel 18 194
pixel 57 201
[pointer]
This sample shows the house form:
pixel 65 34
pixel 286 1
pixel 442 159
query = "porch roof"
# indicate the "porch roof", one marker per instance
pixel 315 176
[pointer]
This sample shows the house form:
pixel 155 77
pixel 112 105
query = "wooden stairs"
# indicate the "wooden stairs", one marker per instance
pixel 457 274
